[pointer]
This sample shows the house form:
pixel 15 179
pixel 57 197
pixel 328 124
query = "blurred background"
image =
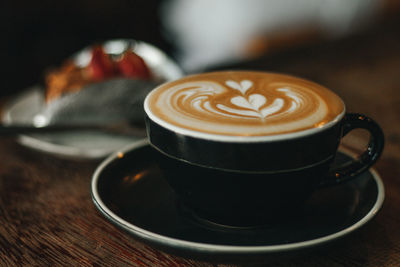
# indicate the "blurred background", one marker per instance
pixel 199 34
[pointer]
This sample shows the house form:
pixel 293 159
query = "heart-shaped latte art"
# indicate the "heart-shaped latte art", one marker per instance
pixel 243 86
pixel 254 102
pixel 257 100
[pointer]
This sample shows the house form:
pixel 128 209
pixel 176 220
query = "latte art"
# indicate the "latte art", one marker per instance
pixel 198 98
pixel 243 104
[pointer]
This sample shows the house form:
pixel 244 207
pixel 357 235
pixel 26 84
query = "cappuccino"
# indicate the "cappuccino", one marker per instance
pixel 243 103
pixel 240 148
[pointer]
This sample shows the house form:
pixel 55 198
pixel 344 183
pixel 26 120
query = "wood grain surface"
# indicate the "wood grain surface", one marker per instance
pixel 47 217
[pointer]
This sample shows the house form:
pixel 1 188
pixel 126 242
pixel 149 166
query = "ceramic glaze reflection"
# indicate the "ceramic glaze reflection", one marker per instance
pixel 244 103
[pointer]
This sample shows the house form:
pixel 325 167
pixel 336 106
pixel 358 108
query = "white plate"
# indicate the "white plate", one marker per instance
pixel 87 144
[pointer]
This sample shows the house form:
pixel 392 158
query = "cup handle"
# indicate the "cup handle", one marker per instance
pixel 352 169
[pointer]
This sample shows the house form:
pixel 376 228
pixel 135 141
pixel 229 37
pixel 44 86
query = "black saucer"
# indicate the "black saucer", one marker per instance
pixel 129 190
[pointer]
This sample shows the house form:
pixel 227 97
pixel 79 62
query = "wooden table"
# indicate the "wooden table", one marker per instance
pixel 47 216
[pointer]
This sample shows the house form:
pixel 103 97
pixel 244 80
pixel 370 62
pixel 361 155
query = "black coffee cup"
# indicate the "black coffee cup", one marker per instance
pixel 253 181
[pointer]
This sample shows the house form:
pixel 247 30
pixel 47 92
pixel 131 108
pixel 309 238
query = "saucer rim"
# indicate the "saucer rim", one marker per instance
pixel 176 243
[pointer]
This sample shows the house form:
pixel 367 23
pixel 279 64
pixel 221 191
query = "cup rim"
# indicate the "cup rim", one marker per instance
pixel 236 138
pixel 242 139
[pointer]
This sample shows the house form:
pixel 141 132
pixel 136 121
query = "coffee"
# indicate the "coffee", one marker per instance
pixel 240 148
pixel 243 103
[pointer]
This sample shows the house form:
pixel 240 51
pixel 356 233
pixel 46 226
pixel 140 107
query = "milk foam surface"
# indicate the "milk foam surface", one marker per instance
pixel 239 103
